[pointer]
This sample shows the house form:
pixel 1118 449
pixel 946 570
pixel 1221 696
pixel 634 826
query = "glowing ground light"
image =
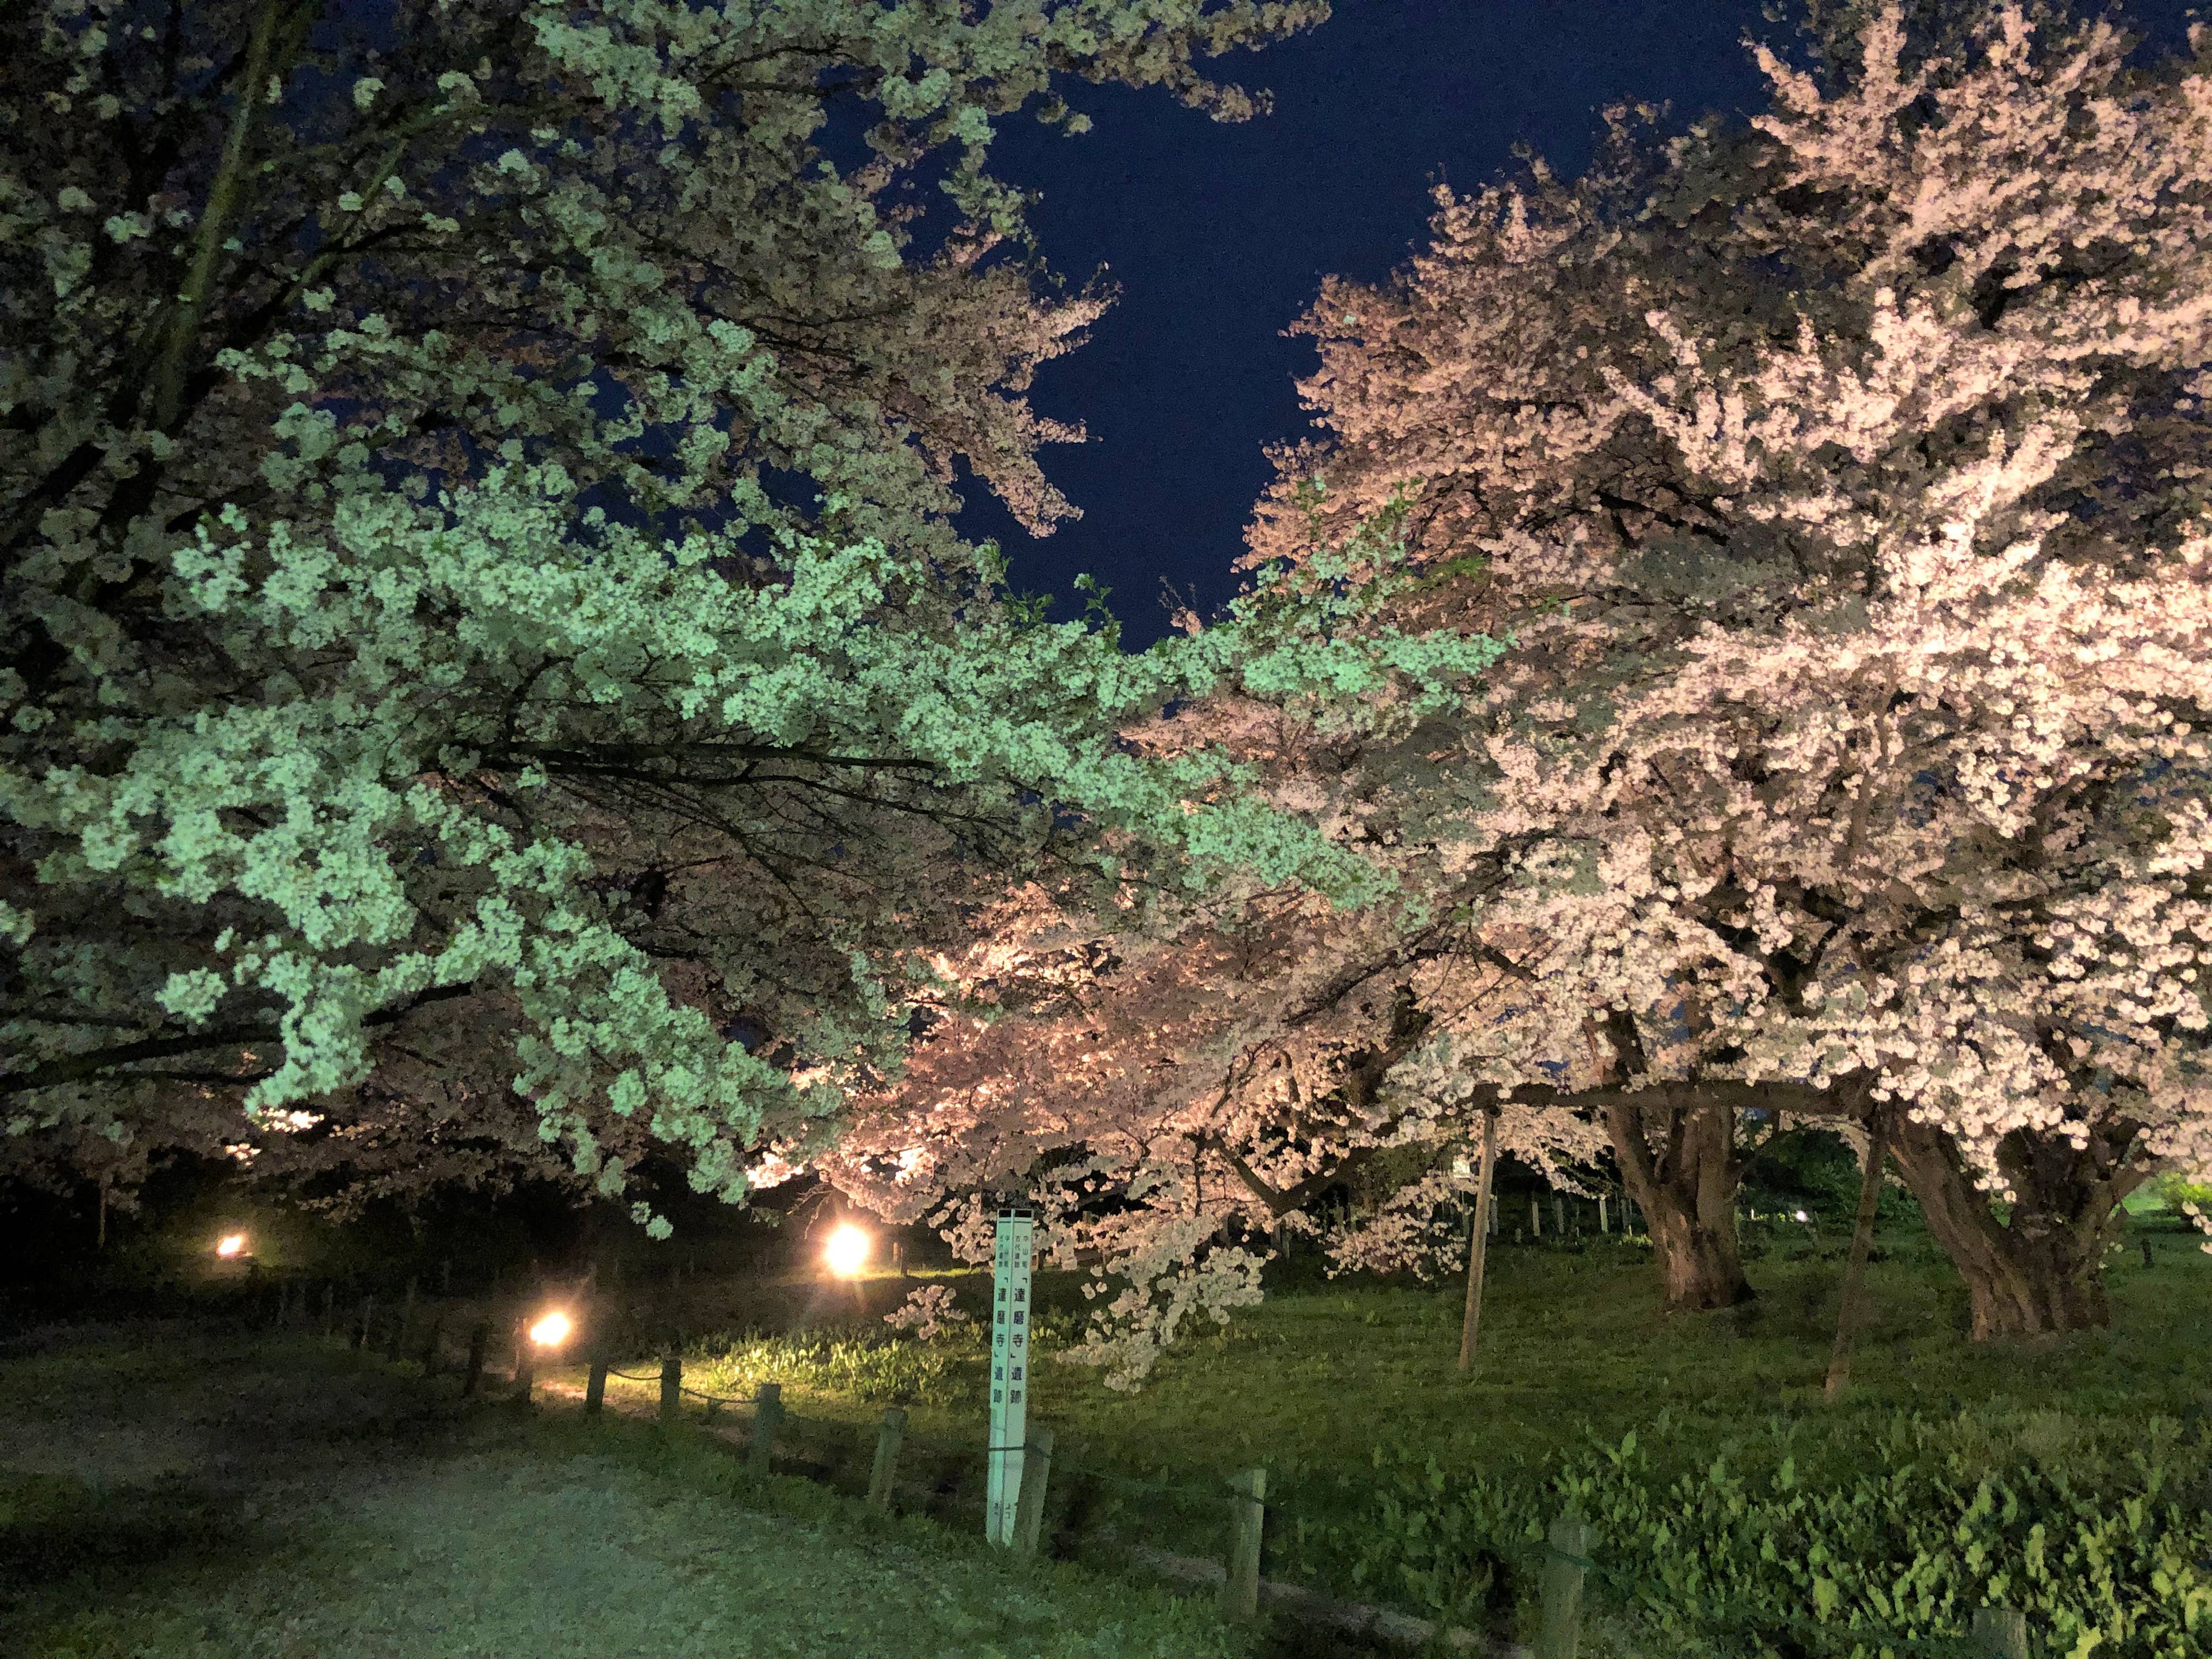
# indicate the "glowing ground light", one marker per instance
pixel 232 1245
pixel 552 1331
pixel 848 1251
pixel 1802 1216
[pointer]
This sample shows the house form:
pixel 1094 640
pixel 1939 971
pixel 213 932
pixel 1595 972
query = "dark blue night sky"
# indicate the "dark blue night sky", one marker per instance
pixel 1219 235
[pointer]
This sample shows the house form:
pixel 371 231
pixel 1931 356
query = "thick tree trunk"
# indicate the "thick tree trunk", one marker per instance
pixel 2040 1271
pixel 1678 1159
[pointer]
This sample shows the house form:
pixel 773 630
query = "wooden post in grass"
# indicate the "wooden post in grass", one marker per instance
pixel 2002 1632
pixel 1558 1215
pixel 406 1318
pixel 1247 1515
pixel 368 1316
pixel 1848 1316
pixel 1566 1558
pixel 595 1384
pixel 1478 1243
pixel 672 1389
pixel 1029 1507
pixel 891 1435
pixel 1603 1226
pixel 525 1363
pixel 479 1341
pixel 1535 1219
pixel 768 1416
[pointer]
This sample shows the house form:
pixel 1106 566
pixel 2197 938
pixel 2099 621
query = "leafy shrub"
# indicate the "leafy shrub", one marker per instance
pixel 868 1366
pixel 2103 1545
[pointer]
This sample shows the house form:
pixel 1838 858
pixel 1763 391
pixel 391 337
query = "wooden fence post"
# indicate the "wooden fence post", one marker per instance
pixel 1248 1514
pixel 526 1364
pixel 479 1341
pixel 368 1316
pixel 595 1385
pixel 2002 1632
pixel 1028 1506
pixel 1565 1560
pixel 406 1318
pixel 889 1437
pixel 1484 1223
pixel 768 1416
pixel 1850 1311
pixel 671 1390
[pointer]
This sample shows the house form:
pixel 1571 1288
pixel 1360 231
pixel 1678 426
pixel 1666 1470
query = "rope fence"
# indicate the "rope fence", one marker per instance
pixel 1565 1565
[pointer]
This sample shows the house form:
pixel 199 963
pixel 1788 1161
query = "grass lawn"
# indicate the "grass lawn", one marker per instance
pixel 1348 1390
pixel 183 1497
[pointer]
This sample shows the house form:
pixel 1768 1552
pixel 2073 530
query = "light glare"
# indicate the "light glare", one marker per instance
pixel 552 1331
pixel 232 1245
pixel 848 1251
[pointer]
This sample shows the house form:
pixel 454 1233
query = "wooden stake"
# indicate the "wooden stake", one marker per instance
pixel 768 1416
pixel 1028 1506
pixel 1565 1563
pixel 1478 1243
pixel 479 1341
pixel 1848 1316
pixel 671 1390
pixel 2002 1632
pixel 526 1364
pixel 406 1318
pixel 1247 1515
pixel 595 1385
pixel 889 1437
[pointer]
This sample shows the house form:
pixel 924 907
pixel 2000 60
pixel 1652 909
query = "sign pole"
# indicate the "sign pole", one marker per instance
pixel 1009 1363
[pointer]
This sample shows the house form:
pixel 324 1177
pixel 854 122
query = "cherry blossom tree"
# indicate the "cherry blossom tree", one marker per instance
pixel 492 682
pixel 1838 483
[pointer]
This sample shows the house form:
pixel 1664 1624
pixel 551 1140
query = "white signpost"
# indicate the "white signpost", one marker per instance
pixel 1010 1364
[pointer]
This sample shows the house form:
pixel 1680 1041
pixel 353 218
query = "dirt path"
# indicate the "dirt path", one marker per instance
pixel 185 1496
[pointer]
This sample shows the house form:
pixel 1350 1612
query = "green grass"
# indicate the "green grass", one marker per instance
pixel 177 1498
pixel 1348 1394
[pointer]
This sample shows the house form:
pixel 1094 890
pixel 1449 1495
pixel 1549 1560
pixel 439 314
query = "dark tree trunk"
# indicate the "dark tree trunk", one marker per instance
pixel 2041 1270
pixel 1678 1158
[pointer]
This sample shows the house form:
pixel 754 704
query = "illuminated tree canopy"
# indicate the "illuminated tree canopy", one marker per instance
pixel 1839 484
pixel 492 677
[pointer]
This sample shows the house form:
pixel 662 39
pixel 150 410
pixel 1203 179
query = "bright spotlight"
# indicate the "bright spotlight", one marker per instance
pixel 1802 1216
pixel 232 1245
pixel 552 1331
pixel 848 1251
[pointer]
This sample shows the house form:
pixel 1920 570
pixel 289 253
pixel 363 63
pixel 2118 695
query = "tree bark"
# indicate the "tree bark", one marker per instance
pixel 2041 1270
pixel 1677 1153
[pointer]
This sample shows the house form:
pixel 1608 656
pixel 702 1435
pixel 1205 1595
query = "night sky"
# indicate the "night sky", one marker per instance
pixel 1219 236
